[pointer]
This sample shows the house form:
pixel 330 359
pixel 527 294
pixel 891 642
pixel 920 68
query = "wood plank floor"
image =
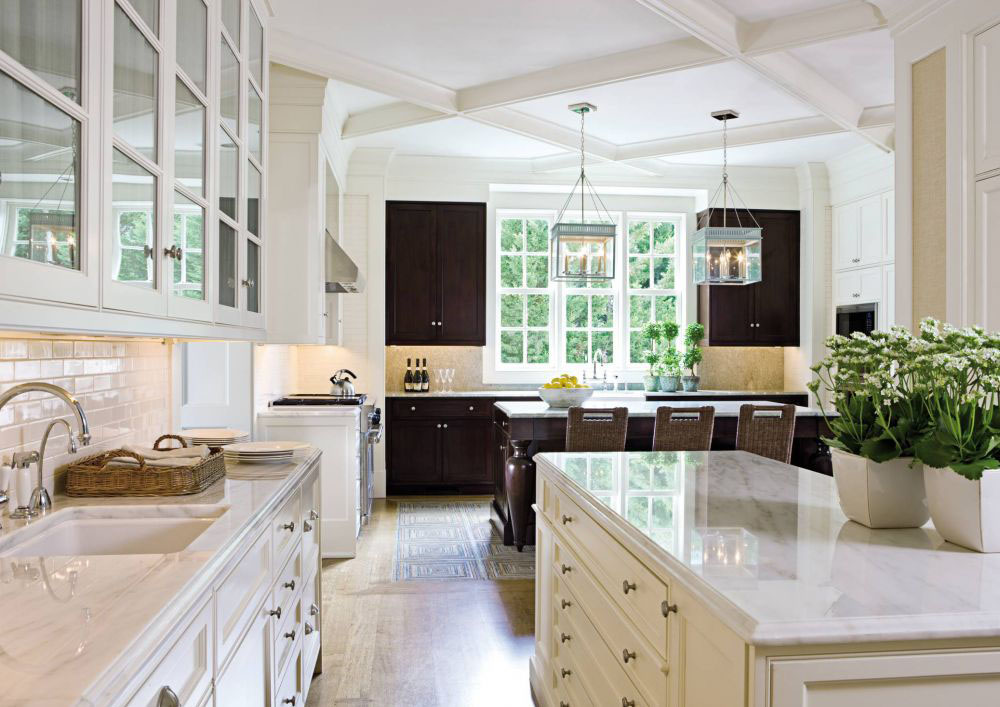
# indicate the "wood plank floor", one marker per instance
pixel 448 643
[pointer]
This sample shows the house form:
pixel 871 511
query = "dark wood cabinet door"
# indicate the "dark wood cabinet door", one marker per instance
pixel 465 451
pixel 414 451
pixel 461 248
pixel 411 267
pixel 729 311
pixel 776 296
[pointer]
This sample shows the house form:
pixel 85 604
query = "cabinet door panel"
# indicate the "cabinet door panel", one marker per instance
pixel 411 273
pixel 987 99
pixel 872 236
pixel 987 253
pixel 465 448
pixel 246 681
pixel 888 309
pixel 413 452
pixel 730 310
pixel 846 234
pixel 776 296
pixel 847 287
pixel 871 284
pixel 462 268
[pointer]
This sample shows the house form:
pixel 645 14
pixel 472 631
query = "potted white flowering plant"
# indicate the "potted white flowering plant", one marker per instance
pixel 874 384
pixel 961 371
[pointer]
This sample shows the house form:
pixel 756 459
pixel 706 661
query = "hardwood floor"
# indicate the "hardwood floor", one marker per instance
pixel 420 644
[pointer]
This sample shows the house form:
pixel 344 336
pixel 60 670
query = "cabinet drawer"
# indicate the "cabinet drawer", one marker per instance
pixel 186 669
pixel 569 687
pixel 310 522
pixel 287 636
pixel 288 690
pixel 442 407
pixel 637 591
pixel 240 593
pixel 286 528
pixel 312 624
pixel 577 595
pixel 288 583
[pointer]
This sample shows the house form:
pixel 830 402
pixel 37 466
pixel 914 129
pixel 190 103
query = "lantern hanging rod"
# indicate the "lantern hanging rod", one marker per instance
pixel 582 182
pixel 728 190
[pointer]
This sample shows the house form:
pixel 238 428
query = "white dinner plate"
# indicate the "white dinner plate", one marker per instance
pixel 214 433
pixel 265 448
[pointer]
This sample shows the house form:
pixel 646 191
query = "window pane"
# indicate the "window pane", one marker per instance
pixel 538 310
pixel 576 311
pixel 511 239
pixel 511 271
pixel 603 341
pixel 663 512
pixel 253 200
pixel 227 265
pixel 638 237
pixel 639 307
pixel 665 475
pixel 256 48
pixel 638 273
pixel 638 475
pixel 134 87
pixel 602 313
pixel 253 277
pixel 192 40
pixel 666 308
pixel 538 347
pixel 231 19
pixel 511 310
pixel 254 107
pixel 229 167
pixel 636 509
pixel 189 140
pixel 229 88
pixel 601 474
pixel 538 236
pixel 636 346
pixel 538 271
pixel 133 208
pixel 149 11
pixel 39 178
pixel 511 347
pixel 44 35
pixel 189 239
pixel 576 347
pixel 663 273
pixel 663 239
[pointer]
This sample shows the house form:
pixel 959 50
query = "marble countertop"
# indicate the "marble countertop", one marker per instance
pixel 636 408
pixel 78 629
pixel 310 411
pixel 636 394
pixel 767 548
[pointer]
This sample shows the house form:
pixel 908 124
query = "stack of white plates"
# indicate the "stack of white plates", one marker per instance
pixel 263 452
pixel 214 436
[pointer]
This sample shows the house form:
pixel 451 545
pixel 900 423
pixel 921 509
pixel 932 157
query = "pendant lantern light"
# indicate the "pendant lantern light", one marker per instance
pixel 583 250
pixel 728 254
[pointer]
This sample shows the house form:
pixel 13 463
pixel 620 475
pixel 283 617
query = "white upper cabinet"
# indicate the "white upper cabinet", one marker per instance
pixel 987 100
pixel 846 237
pixel 987 253
pixel 862 232
pixel 860 286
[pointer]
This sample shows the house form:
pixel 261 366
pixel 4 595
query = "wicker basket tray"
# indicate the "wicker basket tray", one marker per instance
pixel 92 476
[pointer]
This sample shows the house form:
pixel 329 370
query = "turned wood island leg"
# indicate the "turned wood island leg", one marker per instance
pixel 519 478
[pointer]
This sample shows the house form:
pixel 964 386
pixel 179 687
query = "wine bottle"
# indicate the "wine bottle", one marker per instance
pixel 425 380
pixel 408 379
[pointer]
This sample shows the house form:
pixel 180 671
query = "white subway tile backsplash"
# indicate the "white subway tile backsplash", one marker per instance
pixel 26 370
pixel 14 348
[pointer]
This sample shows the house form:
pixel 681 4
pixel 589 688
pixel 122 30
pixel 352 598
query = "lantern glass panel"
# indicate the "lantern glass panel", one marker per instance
pixel 726 256
pixel 583 251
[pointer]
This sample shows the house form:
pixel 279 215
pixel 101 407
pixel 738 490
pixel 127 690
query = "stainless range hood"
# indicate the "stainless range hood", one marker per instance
pixel 342 274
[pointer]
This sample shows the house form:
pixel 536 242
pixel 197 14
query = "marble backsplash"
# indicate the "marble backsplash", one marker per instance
pixel 724 367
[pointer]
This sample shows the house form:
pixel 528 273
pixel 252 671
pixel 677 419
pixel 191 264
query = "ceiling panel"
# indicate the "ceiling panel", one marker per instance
pixel 754 10
pixel 458 137
pixel 860 65
pixel 786 153
pixel 354 99
pixel 677 103
pixel 456 43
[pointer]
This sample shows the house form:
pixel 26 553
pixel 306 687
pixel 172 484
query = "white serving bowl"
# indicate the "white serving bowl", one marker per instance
pixel 565 397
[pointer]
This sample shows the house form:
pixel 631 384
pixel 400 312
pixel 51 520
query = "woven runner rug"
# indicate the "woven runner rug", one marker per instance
pixel 454 540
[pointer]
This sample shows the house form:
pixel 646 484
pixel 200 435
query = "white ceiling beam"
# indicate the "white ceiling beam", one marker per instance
pixel 389 117
pixel 810 27
pixel 544 130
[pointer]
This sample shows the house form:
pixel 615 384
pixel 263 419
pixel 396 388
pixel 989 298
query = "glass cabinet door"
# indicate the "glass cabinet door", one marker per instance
pixel 133 222
pixel 227 265
pixel 188 249
pixel 252 281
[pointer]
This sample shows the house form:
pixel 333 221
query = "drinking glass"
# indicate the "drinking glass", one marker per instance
pixel 449 375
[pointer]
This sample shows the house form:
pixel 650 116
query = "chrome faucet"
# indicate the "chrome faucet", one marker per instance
pixel 601 357
pixel 41 502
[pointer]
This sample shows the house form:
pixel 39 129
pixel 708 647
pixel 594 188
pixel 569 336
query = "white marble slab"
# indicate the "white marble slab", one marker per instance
pixel 637 394
pixel 311 411
pixel 77 629
pixel 766 546
pixel 636 408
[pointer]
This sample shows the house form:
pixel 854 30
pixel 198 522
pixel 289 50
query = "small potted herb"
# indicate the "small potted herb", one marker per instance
pixel 693 336
pixel 652 333
pixel 669 358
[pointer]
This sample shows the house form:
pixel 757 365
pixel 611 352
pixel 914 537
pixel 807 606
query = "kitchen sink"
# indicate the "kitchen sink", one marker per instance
pixel 104 533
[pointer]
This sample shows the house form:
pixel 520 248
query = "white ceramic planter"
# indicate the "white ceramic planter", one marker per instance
pixel 964 511
pixel 886 495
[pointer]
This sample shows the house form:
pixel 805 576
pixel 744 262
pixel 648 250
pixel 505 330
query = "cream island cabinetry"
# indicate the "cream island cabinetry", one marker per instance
pixel 721 579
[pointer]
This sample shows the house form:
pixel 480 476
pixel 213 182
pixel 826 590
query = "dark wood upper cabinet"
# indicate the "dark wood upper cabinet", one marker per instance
pixel 435 273
pixel 766 313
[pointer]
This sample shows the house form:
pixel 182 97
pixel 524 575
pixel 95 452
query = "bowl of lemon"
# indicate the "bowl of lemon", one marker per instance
pixel 565 391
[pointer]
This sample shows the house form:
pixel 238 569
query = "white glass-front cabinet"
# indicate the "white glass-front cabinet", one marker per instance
pixel 137 180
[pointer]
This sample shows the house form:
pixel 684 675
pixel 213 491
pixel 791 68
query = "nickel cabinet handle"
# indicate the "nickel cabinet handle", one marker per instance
pixel 289 585
pixel 565 673
pixel 566 603
pixel 628 586
pixel 626 702
pixel 290 635
pixel 290 526
pixel 566 568
pixel 471 408
pixel 307 629
pixel 567 519
pixel 313 515
pixel 167 698
pixel 667 608
pixel 291 701
pixel 445 425
pixel 563 637
pixel 313 610
pixel 276 613
pixel 306 526
pixel 627 655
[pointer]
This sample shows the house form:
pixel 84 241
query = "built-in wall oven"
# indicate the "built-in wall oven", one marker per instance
pixel 857 317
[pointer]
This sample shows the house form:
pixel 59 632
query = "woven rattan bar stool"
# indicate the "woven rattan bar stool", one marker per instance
pixel 766 430
pixel 596 429
pixel 683 429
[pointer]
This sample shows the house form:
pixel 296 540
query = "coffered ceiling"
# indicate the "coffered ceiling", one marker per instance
pixel 811 78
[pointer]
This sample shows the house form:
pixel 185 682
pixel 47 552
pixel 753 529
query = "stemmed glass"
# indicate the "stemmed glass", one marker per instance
pixel 439 379
pixel 449 377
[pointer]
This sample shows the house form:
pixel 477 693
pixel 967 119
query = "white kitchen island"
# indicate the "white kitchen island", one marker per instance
pixel 717 579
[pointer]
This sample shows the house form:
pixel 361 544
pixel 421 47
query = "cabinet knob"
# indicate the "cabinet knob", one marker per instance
pixel 471 408
pixel 313 610
pixel 445 425
pixel 567 519
pixel 307 629
pixel 289 585
pixel 856 294
pixel 565 603
pixel 628 586
pixel 290 527
pixel 413 408
pixel 563 637
pixel 566 568
pixel 306 526
pixel 291 701
pixel 667 608
pixel 313 515
pixel 147 251
pixel 626 702
pixel 565 673
pixel 276 613
pixel 433 323
pixel 627 655
pixel 167 698
pixel 439 425
pixel 290 635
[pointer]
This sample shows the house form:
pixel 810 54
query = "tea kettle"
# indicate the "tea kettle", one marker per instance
pixel 341 384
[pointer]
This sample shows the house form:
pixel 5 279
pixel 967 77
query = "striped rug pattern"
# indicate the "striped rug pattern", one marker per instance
pixel 454 540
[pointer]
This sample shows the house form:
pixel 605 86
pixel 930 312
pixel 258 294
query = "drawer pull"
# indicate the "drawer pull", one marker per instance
pixel 471 408
pixel 628 586
pixel 626 702
pixel 565 673
pixel 289 585
pixel 566 568
pixel 566 603
pixel 290 527
pixel 291 701
pixel 313 610
pixel 563 637
pixel 276 613
pixel 167 698
pixel 313 515
pixel 306 526
pixel 567 519
pixel 668 608
pixel 307 629
pixel 627 655
pixel 413 408
pixel 290 635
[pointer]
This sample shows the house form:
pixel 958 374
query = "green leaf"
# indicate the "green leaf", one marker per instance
pixel 974 470
pixel 880 449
